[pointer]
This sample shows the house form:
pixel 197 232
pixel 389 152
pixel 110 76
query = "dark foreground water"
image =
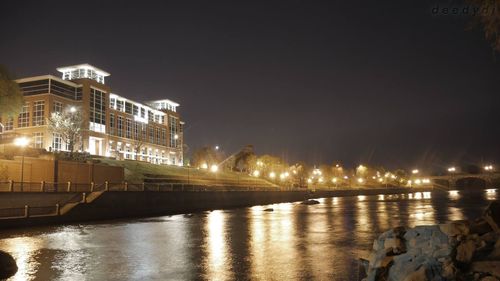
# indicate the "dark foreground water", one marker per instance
pixel 294 242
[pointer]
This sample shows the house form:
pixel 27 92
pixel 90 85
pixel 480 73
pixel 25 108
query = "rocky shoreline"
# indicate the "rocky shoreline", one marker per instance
pixel 459 250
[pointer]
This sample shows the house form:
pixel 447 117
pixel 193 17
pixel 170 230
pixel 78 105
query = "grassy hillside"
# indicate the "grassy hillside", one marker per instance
pixel 137 172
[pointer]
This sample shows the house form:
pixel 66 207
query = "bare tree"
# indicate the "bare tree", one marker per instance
pixel 139 140
pixel 68 125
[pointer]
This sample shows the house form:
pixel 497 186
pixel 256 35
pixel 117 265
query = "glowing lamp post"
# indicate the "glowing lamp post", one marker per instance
pixel 488 168
pixel 22 142
pixel 214 168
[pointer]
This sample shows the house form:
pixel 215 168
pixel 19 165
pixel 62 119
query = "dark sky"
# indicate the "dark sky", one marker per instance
pixel 384 83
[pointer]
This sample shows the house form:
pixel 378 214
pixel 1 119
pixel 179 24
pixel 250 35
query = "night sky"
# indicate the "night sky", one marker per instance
pixel 386 83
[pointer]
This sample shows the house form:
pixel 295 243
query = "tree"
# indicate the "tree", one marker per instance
pixel 68 125
pixel 243 159
pixel 139 140
pixel 11 97
pixel 205 155
pixel 488 16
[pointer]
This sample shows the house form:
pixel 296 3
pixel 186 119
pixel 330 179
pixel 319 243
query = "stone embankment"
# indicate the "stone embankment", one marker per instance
pixel 459 250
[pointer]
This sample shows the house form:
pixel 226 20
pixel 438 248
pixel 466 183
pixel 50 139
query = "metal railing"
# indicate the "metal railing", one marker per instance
pixel 29 211
pixel 12 186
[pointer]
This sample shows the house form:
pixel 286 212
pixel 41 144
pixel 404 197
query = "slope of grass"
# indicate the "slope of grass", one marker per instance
pixel 137 172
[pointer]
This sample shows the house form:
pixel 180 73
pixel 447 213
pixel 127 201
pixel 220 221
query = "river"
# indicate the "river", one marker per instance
pixel 293 242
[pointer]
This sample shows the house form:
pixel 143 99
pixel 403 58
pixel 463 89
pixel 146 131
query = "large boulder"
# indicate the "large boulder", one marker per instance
pixel 8 265
pixel 458 250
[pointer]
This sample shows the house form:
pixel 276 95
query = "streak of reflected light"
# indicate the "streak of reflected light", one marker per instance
pixel 335 201
pixel 491 194
pixel 453 194
pixel 217 247
pixel 455 213
pixel 23 249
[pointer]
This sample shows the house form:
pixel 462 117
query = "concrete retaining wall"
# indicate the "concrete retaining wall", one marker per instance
pixel 116 204
pixel 49 170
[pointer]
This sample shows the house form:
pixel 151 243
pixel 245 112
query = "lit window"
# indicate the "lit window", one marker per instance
pixel 120 126
pixel 128 128
pixel 38 113
pixel 24 117
pixel 173 131
pixel 9 124
pixel 38 140
pixel 56 142
pixel 57 107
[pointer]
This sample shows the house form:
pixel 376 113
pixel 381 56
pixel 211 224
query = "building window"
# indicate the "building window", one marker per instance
pixel 38 140
pixel 112 103
pixel 120 126
pixel 38 113
pixel 119 105
pixel 111 124
pixel 57 107
pixel 163 136
pixel 127 152
pixel 97 114
pixel 56 142
pixel 9 124
pixel 24 117
pixel 135 110
pixel 128 128
pixel 151 134
pixel 143 112
pixel 128 107
pixel 136 130
pixel 144 130
pixel 150 116
pixel 173 131
pixel 158 137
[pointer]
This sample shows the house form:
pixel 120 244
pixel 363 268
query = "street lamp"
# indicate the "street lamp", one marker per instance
pixel 488 168
pixel 214 168
pixel 452 169
pixel 415 171
pixel 22 142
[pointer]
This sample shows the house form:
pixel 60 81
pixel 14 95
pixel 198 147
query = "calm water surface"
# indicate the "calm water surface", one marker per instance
pixel 295 242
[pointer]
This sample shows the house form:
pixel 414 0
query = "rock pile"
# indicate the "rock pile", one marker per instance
pixel 459 250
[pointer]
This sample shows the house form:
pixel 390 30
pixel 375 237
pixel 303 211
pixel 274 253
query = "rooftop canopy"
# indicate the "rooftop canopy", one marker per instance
pixel 83 71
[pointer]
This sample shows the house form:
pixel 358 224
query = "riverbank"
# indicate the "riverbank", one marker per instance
pixel 133 204
pixel 321 242
pixel 456 250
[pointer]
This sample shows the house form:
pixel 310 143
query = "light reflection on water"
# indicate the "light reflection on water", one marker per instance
pixel 292 242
